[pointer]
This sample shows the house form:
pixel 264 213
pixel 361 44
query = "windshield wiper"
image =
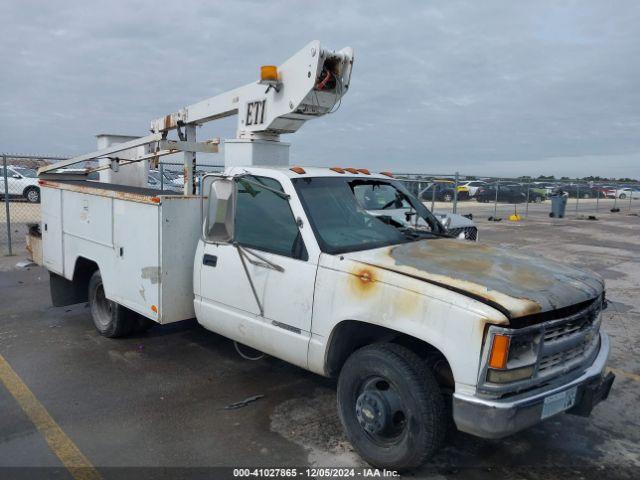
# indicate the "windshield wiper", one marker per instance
pixel 416 234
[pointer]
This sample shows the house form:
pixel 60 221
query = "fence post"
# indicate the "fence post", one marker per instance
pixel 161 170
pixel 597 199
pixel 577 194
pixel 630 197
pixel 615 194
pixel 455 195
pixel 526 208
pixel 495 203
pixel 6 202
pixel 433 195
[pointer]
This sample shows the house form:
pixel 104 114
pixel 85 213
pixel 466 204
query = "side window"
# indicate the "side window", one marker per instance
pixel 264 220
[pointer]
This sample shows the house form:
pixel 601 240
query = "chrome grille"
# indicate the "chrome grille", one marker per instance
pixel 563 346
pixel 470 233
pixel 569 342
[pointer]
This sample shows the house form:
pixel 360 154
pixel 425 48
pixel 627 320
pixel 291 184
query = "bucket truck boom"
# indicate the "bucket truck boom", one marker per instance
pixel 308 85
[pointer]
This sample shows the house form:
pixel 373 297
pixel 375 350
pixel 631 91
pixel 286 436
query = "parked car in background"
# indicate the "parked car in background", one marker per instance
pixel 505 193
pixel 606 191
pixel 537 194
pixel 21 182
pixel 626 192
pixel 546 186
pixel 473 186
pixel 580 191
pixel 444 191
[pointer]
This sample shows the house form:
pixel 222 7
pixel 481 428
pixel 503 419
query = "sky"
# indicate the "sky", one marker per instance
pixel 484 88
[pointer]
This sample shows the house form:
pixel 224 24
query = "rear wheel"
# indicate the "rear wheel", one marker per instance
pixel 622 196
pixel 110 319
pixel 391 406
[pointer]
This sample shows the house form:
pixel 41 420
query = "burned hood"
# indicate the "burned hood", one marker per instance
pixel 519 284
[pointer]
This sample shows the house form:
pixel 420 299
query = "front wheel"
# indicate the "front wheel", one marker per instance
pixel 622 196
pixel 110 318
pixel 391 407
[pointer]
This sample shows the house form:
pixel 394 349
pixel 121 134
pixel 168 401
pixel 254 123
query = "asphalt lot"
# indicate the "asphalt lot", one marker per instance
pixel 157 400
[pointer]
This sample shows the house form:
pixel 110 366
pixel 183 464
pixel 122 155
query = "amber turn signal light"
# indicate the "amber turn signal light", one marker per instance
pixel 298 170
pixel 337 169
pixel 499 352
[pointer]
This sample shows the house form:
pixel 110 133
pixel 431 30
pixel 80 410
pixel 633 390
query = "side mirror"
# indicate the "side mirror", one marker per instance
pixel 220 214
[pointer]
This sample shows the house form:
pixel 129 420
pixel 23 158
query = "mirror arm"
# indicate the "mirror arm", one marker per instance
pixel 263 261
pixel 246 271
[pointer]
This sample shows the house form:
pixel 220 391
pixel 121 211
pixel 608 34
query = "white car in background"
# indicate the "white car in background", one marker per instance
pixel 21 182
pixel 473 186
pixel 627 192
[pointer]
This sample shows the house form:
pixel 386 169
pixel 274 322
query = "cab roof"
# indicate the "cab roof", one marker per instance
pixel 308 172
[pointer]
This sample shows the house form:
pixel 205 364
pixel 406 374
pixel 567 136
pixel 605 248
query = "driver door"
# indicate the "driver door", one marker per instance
pixel 260 292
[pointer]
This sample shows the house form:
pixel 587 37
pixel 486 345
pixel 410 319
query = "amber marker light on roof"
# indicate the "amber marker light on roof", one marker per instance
pixel 351 170
pixel 387 174
pixel 298 170
pixel 365 171
pixel 337 169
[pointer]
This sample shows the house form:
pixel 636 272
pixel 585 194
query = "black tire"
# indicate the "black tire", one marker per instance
pixel 32 194
pixel 622 196
pixel 110 319
pixel 391 406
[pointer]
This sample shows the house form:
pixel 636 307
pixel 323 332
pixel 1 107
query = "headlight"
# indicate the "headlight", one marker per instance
pixel 513 357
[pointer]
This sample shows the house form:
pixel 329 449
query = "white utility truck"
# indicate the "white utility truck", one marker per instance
pixel 417 326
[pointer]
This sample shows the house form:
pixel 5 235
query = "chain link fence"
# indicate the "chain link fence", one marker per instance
pixel 20 194
pixel 488 197
pixel 498 198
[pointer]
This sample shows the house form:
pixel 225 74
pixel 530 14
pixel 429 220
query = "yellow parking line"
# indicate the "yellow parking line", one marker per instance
pixel 67 451
pixel 622 373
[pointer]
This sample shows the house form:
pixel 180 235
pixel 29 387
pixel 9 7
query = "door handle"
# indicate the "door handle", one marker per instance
pixel 210 260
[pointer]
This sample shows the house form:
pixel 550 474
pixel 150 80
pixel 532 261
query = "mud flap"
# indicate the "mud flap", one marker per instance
pixel 65 292
pixel 592 394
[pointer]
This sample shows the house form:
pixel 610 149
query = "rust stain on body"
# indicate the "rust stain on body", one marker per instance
pixel 362 281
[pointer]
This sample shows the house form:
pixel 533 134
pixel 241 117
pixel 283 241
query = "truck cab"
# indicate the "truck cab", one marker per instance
pixel 305 272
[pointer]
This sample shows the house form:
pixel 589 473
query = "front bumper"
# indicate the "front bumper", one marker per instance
pixel 496 418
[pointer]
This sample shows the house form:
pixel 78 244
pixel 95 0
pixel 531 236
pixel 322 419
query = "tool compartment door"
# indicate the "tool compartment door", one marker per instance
pixel 136 257
pixel 51 229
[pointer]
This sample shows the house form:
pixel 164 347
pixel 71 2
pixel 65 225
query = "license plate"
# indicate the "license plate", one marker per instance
pixel 558 402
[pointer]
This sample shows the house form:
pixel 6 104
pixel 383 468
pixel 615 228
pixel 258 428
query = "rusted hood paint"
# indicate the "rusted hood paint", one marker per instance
pixel 516 283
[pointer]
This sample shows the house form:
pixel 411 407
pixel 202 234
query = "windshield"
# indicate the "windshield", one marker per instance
pixel 350 214
pixel 26 172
